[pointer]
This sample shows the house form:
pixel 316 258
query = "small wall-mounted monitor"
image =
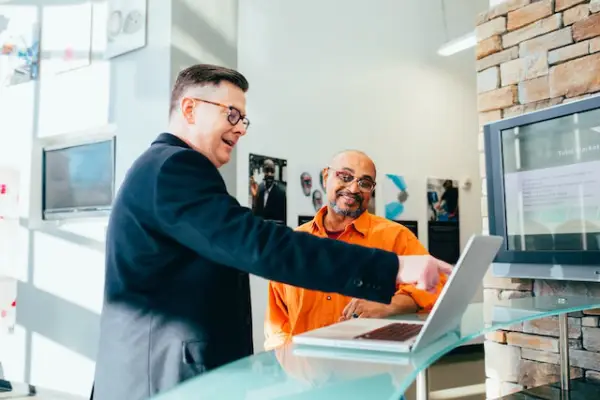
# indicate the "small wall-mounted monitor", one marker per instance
pixel 78 179
pixel 543 182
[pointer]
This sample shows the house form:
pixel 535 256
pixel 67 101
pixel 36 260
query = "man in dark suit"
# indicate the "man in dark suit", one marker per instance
pixel 179 249
pixel 270 201
pixel 450 200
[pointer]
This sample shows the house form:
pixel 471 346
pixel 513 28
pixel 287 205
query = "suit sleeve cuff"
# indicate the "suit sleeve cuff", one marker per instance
pixel 377 281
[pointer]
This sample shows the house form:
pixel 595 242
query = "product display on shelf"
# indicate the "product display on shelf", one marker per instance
pixel 8 304
pixel 9 236
pixel 67 46
pixel 19 45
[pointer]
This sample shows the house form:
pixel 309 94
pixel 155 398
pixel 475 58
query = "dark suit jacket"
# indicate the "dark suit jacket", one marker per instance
pixel 178 252
pixel 276 207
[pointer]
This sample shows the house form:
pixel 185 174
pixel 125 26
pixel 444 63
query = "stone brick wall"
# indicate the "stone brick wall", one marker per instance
pixel 532 55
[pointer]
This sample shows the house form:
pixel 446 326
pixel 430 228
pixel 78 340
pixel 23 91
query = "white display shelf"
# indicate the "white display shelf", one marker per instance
pixel 8 307
pixel 9 247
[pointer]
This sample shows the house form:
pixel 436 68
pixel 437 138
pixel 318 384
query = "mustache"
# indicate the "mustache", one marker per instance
pixel 356 196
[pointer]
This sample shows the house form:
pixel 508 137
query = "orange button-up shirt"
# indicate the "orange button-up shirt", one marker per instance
pixel 292 310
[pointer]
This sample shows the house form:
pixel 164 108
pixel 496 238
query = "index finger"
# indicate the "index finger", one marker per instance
pixel 347 306
pixel 444 267
pixel 349 309
pixel 427 287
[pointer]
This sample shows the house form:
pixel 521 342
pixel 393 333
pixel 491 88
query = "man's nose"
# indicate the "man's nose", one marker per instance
pixel 240 128
pixel 354 187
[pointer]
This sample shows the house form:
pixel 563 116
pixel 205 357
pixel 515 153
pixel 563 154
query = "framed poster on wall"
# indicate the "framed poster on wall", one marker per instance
pixel 310 190
pixel 443 230
pixel 267 187
pixel 125 26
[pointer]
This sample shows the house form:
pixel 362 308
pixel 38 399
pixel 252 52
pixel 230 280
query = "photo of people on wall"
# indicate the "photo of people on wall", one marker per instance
pixel 311 195
pixel 267 187
pixel 443 227
pixel 442 200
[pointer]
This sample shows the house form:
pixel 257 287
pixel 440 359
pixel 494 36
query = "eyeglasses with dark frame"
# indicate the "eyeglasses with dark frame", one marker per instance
pixel 365 185
pixel 233 114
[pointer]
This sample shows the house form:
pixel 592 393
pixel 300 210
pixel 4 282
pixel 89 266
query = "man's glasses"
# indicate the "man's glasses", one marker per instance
pixel 365 185
pixel 233 114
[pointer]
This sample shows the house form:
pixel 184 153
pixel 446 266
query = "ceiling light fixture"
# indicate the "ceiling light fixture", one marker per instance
pixel 459 44
pixel 455 45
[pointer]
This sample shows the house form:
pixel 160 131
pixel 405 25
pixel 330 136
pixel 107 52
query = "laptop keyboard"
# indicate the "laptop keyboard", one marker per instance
pixel 396 332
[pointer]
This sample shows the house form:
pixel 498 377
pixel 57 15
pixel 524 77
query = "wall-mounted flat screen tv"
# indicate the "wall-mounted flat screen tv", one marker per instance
pixel 78 180
pixel 543 181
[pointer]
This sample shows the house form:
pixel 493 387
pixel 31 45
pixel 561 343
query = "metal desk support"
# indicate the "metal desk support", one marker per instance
pixel 563 343
pixel 423 385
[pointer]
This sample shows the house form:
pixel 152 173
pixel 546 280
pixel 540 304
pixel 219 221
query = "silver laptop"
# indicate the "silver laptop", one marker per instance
pixel 344 355
pixel 402 336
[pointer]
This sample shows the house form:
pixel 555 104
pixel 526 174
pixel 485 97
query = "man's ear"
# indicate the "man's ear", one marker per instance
pixel 187 109
pixel 325 176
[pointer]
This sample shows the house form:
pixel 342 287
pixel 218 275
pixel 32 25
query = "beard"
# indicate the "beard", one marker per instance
pixel 269 180
pixel 348 212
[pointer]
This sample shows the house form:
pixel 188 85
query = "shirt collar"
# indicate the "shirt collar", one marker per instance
pixel 360 224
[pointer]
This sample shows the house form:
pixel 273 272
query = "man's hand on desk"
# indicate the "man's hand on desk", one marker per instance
pixel 422 271
pixel 401 304
pixel 358 308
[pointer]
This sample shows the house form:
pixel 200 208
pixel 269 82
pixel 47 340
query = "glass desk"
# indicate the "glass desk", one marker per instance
pixel 319 373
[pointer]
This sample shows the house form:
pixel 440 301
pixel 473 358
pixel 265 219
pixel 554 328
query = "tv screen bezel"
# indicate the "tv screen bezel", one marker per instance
pixel 78 212
pixel 495 186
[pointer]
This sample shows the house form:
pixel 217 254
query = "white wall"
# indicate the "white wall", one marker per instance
pixel 324 78
pixel 62 268
pixel 206 32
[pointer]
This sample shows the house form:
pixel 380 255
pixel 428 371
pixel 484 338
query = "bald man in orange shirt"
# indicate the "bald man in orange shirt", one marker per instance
pixel 349 183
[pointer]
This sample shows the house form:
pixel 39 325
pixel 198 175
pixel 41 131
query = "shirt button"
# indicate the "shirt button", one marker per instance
pixel 358 282
pixel 328 297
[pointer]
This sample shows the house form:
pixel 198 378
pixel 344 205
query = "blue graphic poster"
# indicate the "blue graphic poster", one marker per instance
pixel 396 196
